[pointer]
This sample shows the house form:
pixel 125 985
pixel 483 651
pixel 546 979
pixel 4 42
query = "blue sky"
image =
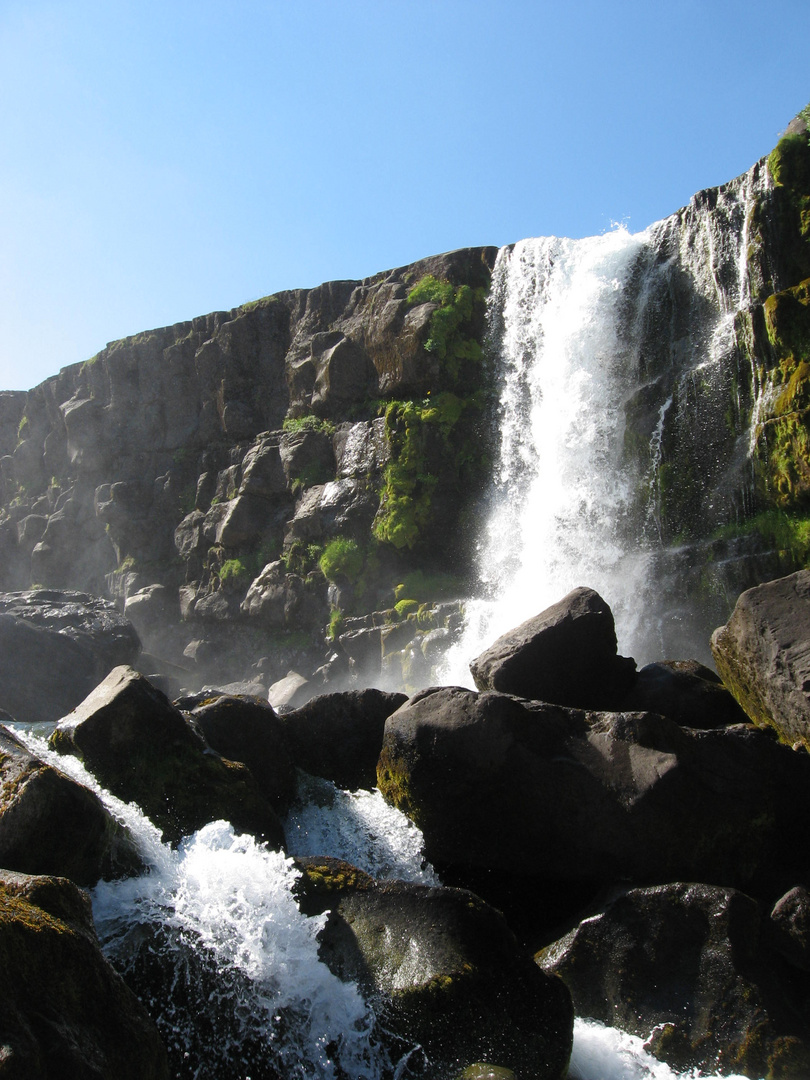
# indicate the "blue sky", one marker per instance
pixel 162 160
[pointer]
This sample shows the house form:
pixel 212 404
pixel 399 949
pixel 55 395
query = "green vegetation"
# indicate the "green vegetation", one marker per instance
pixel 234 573
pixel 336 618
pixel 425 587
pixel 426 440
pixel 404 608
pixel 789 534
pixel 342 557
pixel 297 424
pixel 450 337
pixel 301 558
pixel 22 429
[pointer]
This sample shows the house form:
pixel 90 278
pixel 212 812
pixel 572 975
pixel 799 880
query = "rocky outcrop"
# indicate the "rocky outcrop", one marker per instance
pixel 444 968
pixel 248 731
pixel 65 1011
pixel 496 782
pixel 763 655
pixel 49 824
pixel 686 691
pixel 338 736
pixel 192 457
pixel 54 648
pixel 141 748
pixel 566 655
pixel 696 966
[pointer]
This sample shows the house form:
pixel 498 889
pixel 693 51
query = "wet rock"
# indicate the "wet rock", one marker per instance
pixel 49 824
pixel 444 968
pixel 65 1011
pixel 141 748
pixel 692 962
pixel 339 736
pixel 685 691
pixel 502 784
pixel 763 655
pixel 566 655
pixel 250 732
pixel 90 621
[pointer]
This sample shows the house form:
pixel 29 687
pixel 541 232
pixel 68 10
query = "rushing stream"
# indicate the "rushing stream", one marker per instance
pixel 222 908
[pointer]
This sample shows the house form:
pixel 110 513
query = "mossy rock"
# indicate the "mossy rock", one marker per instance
pixel 141 748
pixel 445 970
pixel 65 1011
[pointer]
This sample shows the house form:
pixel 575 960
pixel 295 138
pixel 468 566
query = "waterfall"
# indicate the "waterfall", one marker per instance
pixel 623 435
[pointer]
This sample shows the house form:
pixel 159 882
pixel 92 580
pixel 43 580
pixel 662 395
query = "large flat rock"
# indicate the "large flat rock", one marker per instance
pixel 763 655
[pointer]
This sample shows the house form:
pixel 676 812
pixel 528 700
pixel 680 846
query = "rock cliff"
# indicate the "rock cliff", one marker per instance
pixel 253 470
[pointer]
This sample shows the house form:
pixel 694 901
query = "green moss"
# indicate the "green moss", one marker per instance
pixel 451 335
pixel 234 573
pixel 404 608
pixel 423 586
pixel 22 429
pixel 786 533
pixel 342 558
pixel 296 424
pixel 426 445
pixel 336 620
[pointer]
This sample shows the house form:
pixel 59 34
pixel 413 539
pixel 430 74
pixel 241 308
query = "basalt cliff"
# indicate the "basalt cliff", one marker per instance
pixel 298 485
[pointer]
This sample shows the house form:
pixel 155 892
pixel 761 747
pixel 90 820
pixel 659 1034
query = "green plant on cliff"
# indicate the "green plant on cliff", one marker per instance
pixel 786 533
pixel 233 573
pixel 294 425
pixel 450 335
pixel 427 442
pixel 341 557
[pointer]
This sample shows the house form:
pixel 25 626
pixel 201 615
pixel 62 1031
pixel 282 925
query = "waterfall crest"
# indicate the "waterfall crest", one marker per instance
pixel 619 378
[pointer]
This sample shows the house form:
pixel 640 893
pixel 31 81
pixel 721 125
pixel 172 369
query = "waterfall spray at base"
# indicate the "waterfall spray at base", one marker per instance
pixel 614 354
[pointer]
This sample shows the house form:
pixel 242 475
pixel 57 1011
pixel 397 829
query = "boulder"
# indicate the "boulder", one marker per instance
pixel 88 620
pixel 142 749
pixel 566 655
pixel 502 784
pixel 791 922
pixel 339 736
pixel 290 692
pixel 444 970
pixel 687 692
pixel 50 824
pixel 693 964
pixel 65 1012
pixel 763 655
pixel 249 731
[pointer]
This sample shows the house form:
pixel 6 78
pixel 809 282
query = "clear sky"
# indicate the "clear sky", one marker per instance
pixel 160 160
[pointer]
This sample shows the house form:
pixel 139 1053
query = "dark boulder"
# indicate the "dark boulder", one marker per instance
pixel 791 923
pixel 49 824
pixel 54 648
pixel 246 730
pixel 444 969
pixel 339 736
pixel 685 691
pixel 502 784
pixel 89 620
pixel 566 655
pixel 763 655
pixel 693 964
pixel 65 1012
pixel 141 748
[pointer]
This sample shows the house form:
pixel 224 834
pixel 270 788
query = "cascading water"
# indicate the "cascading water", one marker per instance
pixel 619 380
pixel 247 996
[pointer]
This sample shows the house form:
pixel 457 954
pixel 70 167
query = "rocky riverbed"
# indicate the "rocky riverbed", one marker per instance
pixel 627 844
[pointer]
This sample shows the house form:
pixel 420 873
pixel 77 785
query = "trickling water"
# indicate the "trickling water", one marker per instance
pixel 618 363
